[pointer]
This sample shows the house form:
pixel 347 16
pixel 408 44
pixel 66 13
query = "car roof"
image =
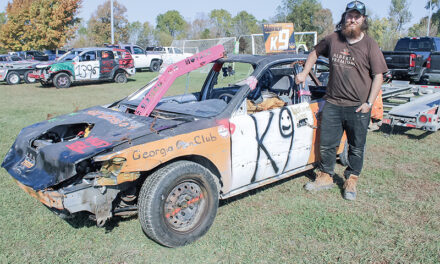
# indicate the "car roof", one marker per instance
pixel 262 59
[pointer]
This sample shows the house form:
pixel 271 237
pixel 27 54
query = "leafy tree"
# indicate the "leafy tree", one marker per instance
pixel 171 22
pixel 323 22
pixel 384 32
pixel 200 26
pixel 3 18
pixel 245 24
pixel 81 39
pixel 399 12
pixel 300 12
pixel 134 31
pixel 39 24
pixel 146 36
pixel 163 38
pixel 99 26
pixel 420 28
pixel 221 21
pixel 206 34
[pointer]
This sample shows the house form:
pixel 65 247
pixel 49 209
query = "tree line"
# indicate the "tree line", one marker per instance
pixel 52 24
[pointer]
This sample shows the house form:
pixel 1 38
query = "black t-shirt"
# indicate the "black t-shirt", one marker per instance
pixel 352 67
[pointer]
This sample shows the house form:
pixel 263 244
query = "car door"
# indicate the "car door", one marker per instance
pixel 269 143
pixel 178 54
pixel 87 66
pixel 140 58
pixel 168 56
pixel 107 63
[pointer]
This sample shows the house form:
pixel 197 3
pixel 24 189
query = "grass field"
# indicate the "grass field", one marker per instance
pixel 396 218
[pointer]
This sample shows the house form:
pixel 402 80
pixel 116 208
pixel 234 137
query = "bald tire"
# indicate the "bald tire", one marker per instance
pixel 154 215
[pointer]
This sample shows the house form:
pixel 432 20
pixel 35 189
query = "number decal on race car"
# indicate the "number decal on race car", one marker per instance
pixel 87 70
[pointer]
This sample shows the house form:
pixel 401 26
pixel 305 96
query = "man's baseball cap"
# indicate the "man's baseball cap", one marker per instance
pixel 357 6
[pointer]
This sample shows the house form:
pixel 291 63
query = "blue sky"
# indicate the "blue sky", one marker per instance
pixel 146 10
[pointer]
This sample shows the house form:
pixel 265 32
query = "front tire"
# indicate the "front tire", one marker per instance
pixel 155 66
pixel 178 203
pixel 62 80
pixel 13 78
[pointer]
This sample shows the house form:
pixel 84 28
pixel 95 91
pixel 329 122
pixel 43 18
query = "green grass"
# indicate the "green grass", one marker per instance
pixel 396 218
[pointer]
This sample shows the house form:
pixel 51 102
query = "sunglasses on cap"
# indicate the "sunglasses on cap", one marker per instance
pixel 356 5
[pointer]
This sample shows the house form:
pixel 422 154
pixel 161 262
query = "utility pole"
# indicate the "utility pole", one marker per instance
pixel 111 19
pixel 429 18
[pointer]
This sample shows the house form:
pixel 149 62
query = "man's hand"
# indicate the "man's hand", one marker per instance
pixel 364 108
pixel 300 78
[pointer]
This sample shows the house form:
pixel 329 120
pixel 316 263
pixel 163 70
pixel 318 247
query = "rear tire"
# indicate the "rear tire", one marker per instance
pixel 62 80
pixel 178 203
pixel 28 79
pixel 13 78
pixel 120 77
pixel 155 66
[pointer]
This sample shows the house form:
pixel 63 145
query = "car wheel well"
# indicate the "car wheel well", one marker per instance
pixel 194 158
pixel 62 71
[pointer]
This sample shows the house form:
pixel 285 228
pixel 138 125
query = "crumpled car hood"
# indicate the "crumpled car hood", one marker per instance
pixel 40 163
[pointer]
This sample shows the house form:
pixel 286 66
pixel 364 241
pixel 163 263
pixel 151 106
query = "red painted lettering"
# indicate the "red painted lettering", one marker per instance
pixel 78 146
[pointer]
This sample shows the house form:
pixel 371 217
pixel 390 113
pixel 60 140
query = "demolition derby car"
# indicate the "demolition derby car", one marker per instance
pixel 86 64
pixel 14 68
pixel 172 149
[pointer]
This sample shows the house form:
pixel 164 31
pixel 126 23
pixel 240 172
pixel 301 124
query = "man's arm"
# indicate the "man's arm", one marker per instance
pixel 311 60
pixel 375 88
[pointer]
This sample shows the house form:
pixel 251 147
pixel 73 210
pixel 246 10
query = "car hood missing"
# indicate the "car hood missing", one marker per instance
pixel 46 153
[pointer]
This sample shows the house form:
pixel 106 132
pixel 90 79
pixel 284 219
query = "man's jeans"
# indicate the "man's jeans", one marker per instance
pixel 334 120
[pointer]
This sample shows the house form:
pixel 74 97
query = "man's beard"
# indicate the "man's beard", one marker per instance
pixel 351 33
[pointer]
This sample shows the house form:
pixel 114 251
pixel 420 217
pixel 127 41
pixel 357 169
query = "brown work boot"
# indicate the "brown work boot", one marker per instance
pixel 350 188
pixel 323 181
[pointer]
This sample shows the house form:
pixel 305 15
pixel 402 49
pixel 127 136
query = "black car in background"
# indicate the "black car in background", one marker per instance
pixel 31 55
pixel 409 59
pixel 54 54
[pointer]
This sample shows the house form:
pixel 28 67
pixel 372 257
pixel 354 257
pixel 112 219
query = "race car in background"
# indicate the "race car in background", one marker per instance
pixel 86 64
pixel 13 69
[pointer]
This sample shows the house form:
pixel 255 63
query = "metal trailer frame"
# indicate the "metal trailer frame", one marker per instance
pixel 412 106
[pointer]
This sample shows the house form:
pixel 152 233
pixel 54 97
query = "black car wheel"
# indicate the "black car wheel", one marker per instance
pixel 178 203
pixel 155 66
pixel 28 79
pixel 120 77
pixel 62 80
pixel 13 78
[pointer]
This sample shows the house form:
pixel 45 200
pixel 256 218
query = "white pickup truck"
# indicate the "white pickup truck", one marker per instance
pixel 169 55
pixel 141 60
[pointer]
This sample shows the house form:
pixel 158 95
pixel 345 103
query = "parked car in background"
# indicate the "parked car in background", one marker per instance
pixel 141 60
pixel 432 73
pixel 170 55
pixel 13 69
pixel 86 64
pixel 409 59
pixel 54 54
pixel 31 55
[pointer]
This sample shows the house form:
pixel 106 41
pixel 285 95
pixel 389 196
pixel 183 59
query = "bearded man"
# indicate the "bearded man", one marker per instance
pixel 356 68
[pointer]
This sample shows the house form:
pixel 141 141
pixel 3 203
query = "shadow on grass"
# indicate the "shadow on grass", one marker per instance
pixel 85 219
pixel 399 130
